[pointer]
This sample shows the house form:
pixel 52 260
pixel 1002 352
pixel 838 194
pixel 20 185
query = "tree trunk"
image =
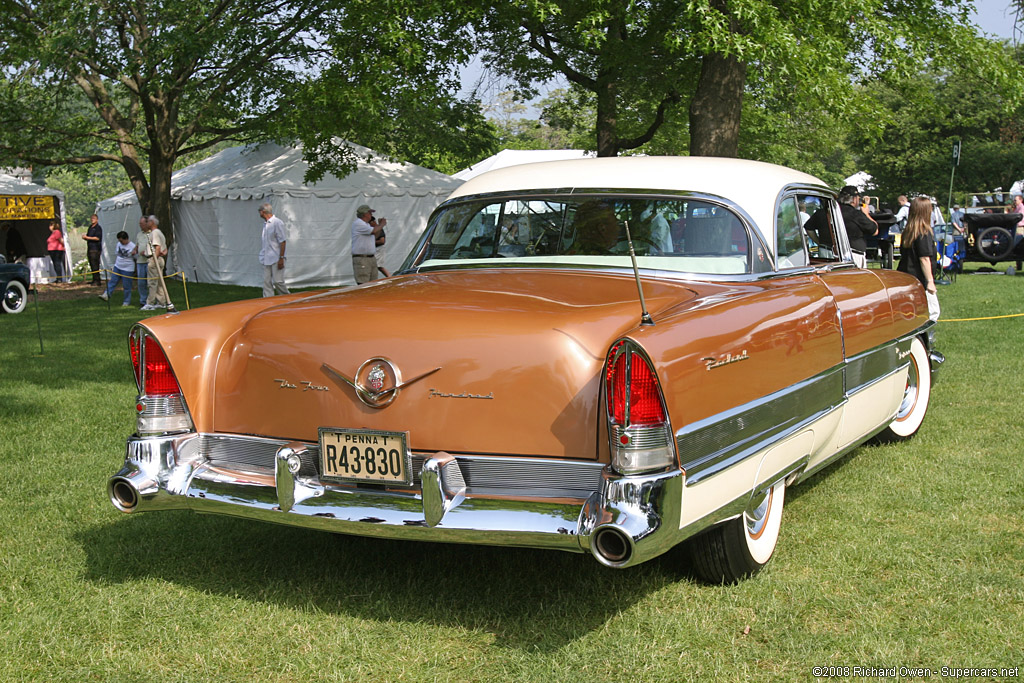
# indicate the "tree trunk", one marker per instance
pixel 607 118
pixel 716 107
pixel 160 170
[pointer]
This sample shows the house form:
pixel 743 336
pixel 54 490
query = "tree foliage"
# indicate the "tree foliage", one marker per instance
pixel 693 65
pixel 158 79
pixel 142 84
pixel 965 102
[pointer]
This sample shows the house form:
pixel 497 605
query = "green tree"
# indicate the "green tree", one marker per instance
pixel 646 63
pixel 143 84
pixel 83 187
pixel 911 152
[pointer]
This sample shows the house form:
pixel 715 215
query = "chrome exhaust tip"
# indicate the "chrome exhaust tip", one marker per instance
pixel 123 494
pixel 612 546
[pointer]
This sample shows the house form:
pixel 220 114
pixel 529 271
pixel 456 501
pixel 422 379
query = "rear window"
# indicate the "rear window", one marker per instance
pixel 684 235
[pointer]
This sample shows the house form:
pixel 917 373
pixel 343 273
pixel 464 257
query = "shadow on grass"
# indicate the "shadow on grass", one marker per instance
pixel 528 599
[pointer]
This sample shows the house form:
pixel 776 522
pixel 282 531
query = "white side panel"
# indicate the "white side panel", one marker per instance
pixel 703 499
pixel 873 407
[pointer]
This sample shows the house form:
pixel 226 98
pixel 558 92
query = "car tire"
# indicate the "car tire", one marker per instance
pixel 916 397
pixel 15 297
pixel 740 547
pixel 994 243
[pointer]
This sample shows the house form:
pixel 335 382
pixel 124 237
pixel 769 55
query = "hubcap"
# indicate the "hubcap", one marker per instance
pixel 12 298
pixel 757 516
pixel 909 394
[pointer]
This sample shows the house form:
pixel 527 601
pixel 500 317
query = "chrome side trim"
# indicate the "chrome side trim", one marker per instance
pixel 716 443
pixel 866 369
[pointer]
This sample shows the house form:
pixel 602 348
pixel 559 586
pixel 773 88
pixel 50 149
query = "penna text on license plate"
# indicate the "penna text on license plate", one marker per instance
pixel 365 455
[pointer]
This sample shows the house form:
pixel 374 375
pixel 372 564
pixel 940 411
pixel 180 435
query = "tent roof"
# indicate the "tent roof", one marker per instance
pixel 12 185
pixel 514 157
pixel 255 172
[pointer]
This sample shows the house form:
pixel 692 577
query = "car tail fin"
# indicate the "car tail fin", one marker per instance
pixel 160 407
pixel 640 437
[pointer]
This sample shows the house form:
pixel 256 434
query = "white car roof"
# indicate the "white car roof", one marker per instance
pixel 752 185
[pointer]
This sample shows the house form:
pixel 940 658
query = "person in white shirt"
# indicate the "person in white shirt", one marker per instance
pixel 124 269
pixel 903 211
pixel 272 247
pixel 365 231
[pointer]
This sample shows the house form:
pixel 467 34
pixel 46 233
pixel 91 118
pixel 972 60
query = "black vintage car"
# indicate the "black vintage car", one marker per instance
pixel 992 237
pixel 14 284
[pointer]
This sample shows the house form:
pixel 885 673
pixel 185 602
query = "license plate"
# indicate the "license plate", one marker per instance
pixel 365 455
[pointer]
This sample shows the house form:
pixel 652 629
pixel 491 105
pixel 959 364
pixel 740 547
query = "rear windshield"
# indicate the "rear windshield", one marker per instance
pixel 685 235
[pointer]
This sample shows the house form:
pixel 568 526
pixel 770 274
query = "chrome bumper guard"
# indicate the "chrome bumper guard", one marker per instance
pixel 628 520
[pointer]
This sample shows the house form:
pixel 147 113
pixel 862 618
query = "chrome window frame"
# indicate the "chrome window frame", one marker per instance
pixel 755 236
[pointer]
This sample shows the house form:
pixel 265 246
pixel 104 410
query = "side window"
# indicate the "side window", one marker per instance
pixel 789 235
pixel 818 216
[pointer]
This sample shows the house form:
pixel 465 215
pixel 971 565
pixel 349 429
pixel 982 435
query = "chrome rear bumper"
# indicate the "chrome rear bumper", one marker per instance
pixel 622 522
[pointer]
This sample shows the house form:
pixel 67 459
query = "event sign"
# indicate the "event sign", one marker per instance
pixel 22 207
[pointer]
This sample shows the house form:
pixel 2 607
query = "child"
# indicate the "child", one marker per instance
pixel 124 269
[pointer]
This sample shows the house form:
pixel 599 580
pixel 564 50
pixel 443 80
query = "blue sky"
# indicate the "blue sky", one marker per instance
pixel 995 17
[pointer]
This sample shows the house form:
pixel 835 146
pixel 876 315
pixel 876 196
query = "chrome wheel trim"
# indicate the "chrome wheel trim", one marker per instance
pixel 15 297
pixel 762 523
pixel 910 394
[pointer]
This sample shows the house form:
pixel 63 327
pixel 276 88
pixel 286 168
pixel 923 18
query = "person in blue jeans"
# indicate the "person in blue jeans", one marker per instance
pixel 124 269
pixel 142 259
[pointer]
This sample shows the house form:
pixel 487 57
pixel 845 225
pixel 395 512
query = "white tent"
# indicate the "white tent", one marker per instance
pixel 34 224
pixel 217 229
pixel 514 157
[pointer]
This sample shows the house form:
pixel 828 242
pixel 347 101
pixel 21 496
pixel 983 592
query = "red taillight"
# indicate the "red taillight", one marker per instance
pixel 644 395
pixel 645 407
pixel 159 380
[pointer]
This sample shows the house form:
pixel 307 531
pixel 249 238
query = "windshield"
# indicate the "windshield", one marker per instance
pixel 681 234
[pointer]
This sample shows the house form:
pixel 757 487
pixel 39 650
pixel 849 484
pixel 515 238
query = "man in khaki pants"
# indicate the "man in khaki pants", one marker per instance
pixel 365 231
pixel 155 270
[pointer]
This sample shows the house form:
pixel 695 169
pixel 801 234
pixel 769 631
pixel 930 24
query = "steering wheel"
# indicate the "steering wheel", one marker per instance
pixel 623 245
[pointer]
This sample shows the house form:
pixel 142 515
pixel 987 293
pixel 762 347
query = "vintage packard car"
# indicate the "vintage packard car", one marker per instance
pixel 606 355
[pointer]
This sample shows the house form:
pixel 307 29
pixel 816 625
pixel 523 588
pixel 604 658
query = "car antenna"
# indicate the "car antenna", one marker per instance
pixel 645 317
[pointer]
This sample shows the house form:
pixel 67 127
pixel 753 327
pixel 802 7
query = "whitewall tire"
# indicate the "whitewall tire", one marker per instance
pixel 916 396
pixel 742 546
pixel 15 297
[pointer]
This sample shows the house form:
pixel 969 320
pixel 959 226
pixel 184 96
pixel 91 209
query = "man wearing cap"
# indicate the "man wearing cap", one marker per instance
pixel 956 217
pixel 365 231
pixel 859 224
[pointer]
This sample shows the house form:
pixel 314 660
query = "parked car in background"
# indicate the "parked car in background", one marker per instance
pixel 605 356
pixel 15 280
pixel 993 238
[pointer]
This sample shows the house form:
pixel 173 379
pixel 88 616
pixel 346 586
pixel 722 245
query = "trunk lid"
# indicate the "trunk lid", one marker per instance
pixel 520 353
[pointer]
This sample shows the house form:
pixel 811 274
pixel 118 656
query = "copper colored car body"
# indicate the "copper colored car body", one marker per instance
pixel 607 355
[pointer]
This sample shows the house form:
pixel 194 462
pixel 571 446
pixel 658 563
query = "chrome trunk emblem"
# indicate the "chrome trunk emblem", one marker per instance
pixel 377 381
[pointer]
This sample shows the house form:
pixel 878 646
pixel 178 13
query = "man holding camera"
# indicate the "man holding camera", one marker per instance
pixel 365 231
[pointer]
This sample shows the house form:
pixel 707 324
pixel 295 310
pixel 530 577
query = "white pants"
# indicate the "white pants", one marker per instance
pixel 933 305
pixel 273 281
pixel 861 260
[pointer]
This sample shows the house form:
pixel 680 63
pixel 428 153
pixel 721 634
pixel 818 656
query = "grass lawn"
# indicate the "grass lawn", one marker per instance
pixel 905 555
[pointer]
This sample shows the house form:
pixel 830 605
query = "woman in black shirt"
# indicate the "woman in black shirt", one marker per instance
pixel 917 250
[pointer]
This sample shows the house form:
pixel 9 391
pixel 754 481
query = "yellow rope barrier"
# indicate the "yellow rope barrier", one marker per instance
pixel 991 317
pixel 184 280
